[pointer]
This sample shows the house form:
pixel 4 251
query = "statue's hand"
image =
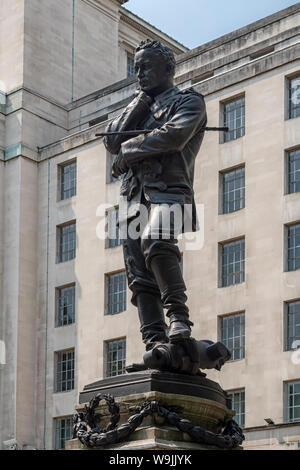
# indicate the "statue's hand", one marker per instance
pixel 141 105
pixel 142 97
pixel 119 166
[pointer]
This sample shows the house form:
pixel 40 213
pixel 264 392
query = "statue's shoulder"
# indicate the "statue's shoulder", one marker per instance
pixel 191 92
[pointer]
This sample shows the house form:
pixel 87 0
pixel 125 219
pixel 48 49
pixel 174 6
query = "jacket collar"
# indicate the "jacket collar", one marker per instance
pixel 163 97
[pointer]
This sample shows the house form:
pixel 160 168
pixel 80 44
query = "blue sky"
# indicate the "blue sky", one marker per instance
pixel 194 22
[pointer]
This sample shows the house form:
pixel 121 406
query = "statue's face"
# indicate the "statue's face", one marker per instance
pixel 152 71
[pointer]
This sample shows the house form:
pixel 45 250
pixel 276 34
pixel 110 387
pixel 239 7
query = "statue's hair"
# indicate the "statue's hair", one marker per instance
pixel 161 49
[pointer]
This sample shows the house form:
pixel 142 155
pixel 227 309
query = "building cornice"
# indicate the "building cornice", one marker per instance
pixel 227 38
pixel 262 48
pixel 109 11
pixel 146 28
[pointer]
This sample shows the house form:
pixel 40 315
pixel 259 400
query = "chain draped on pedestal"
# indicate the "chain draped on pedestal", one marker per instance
pixel 231 436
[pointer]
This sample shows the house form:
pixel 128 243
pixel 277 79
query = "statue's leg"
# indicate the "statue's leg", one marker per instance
pixel 162 258
pixel 145 295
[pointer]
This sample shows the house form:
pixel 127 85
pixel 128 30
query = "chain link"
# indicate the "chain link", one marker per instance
pixel 88 431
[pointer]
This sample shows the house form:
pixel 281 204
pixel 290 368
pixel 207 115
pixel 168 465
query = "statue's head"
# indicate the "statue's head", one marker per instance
pixel 155 66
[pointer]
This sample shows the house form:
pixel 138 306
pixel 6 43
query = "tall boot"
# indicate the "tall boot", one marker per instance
pixel 151 314
pixel 166 269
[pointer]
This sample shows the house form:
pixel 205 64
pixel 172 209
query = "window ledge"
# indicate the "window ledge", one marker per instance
pixel 66 201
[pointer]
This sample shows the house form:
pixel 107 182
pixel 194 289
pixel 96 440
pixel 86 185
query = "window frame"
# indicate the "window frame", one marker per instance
pixel 221 318
pixel 286 395
pixel 56 362
pixel 60 168
pixel 59 229
pixel 287 228
pixel 288 108
pixel 107 294
pixel 236 391
pixel 108 240
pixel 288 154
pixel 106 355
pixel 130 72
pixel 223 119
pixel 57 299
pixel 221 258
pixel 55 422
pixel 222 174
pixel 287 341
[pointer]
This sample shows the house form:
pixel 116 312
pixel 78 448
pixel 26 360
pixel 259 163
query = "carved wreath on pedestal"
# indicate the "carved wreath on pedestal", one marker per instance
pixel 87 425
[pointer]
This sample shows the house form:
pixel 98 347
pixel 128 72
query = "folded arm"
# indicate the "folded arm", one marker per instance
pixel 135 112
pixel 188 120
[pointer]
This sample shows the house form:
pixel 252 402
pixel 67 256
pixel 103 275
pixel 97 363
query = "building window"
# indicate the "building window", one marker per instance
pixel 233 335
pixel 294 171
pixel 65 306
pixel 233 190
pixel 238 405
pixel 293 401
pixel 233 263
pixel 130 65
pixel 116 293
pixel 115 357
pixel 293 325
pixel 67 242
pixel 63 431
pixel 294 247
pixel 68 176
pixel 113 231
pixel 234 119
pixel 294 97
pixel 64 373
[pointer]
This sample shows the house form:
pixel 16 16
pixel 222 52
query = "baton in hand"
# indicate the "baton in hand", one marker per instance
pixel 147 131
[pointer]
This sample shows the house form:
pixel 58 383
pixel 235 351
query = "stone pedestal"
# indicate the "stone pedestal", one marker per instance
pixel 200 400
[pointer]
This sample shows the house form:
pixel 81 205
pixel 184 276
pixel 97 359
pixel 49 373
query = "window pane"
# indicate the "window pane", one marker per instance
pixel 238 405
pixel 233 190
pixel 68 180
pixel 115 357
pixel 293 401
pixel 233 266
pixel 233 335
pixel 294 97
pixel 65 306
pixel 234 119
pixel 116 293
pixel 294 171
pixel 63 431
pixel 293 325
pixel 294 247
pixel 67 242
pixel 65 370
pixel 113 228
pixel 130 65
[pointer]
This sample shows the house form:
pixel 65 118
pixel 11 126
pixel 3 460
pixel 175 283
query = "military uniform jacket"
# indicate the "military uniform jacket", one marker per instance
pixel 161 163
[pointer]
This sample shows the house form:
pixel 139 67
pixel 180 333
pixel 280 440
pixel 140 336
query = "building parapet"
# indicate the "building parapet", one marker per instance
pixel 241 32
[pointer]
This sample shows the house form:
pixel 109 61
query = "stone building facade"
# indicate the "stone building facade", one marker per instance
pixel 65 315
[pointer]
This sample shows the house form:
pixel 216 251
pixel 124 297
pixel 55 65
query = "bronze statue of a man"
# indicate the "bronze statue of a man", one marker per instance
pixel 158 169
